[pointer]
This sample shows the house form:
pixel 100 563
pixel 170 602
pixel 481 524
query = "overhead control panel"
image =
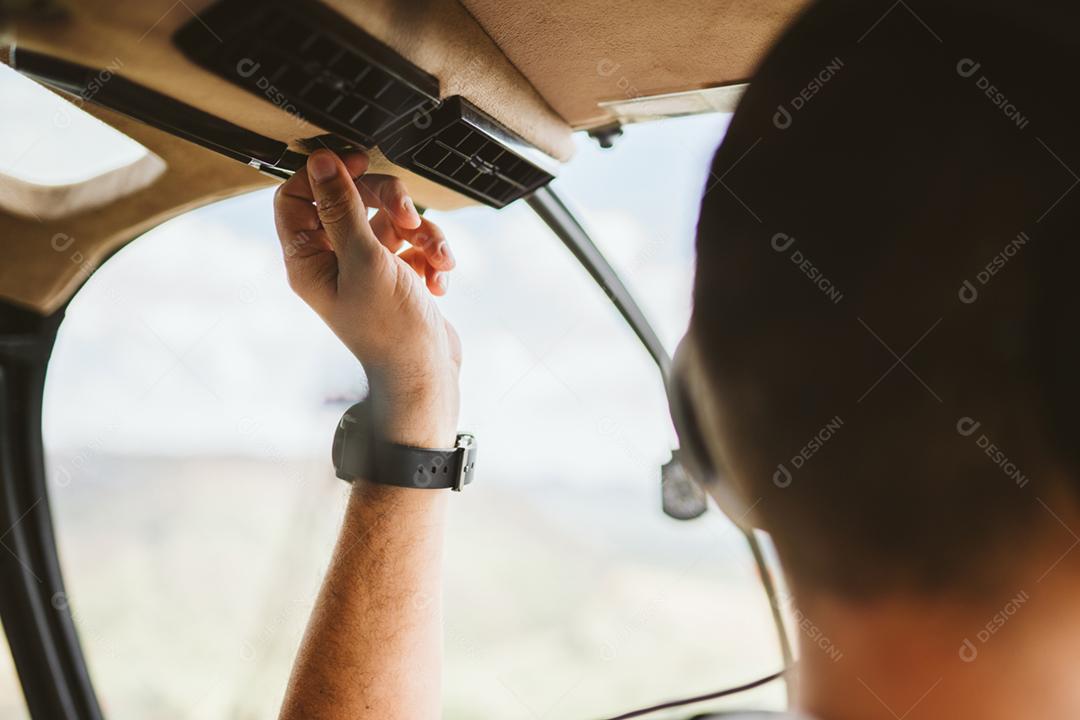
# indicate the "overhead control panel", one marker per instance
pixel 309 60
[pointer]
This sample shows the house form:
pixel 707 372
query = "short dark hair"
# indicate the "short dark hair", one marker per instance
pixel 900 176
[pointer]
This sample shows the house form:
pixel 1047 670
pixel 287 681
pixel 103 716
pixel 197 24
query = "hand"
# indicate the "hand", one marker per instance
pixel 376 300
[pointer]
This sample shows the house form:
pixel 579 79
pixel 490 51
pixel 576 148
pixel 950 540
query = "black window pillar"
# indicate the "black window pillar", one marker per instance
pixel 33 605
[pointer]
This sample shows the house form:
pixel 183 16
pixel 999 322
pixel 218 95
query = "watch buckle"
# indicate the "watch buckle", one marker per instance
pixel 463 449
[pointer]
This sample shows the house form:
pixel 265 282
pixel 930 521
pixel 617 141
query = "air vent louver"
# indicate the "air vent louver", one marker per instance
pixel 459 146
pixel 309 60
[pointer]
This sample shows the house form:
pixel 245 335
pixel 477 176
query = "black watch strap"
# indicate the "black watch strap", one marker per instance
pixel 359 452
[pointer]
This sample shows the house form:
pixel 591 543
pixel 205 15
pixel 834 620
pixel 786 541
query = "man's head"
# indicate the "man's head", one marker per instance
pixel 883 341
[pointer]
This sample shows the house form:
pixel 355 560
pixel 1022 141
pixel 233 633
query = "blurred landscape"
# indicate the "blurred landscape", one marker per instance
pixel 191 586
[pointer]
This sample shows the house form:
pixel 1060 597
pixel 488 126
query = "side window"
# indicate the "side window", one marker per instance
pixel 640 203
pixel 189 410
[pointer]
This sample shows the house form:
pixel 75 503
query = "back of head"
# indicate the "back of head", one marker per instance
pixel 884 301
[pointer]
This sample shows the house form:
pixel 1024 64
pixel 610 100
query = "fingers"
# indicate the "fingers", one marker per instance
pixel 437 281
pixel 310 263
pixel 387 232
pixel 321 217
pixel 338 205
pixel 389 194
pixel 428 238
pixel 298 226
pixel 295 212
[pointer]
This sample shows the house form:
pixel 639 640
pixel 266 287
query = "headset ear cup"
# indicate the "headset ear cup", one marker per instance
pixel 683 497
pixel 693 453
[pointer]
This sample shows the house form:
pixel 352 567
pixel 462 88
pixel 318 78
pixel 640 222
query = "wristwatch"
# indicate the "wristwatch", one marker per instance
pixel 360 451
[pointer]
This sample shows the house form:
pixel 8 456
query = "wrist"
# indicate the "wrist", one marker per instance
pixel 400 501
pixel 420 412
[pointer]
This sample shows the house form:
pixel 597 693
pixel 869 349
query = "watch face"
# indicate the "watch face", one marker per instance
pixel 352 441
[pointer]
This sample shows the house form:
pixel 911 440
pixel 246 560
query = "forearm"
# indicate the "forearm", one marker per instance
pixel 373 646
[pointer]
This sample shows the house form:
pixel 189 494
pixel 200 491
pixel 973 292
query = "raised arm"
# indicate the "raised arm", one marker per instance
pixel 373 646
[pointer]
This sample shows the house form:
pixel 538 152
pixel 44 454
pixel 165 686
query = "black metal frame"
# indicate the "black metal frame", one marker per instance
pixel 33 605
pixel 562 221
pixel 160 111
pixel 553 211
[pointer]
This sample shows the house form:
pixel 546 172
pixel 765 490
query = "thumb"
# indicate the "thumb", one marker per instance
pixel 341 211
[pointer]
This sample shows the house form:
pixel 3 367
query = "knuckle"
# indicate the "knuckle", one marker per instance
pixel 421 238
pixel 281 193
pixel 428 235
pixel 336 207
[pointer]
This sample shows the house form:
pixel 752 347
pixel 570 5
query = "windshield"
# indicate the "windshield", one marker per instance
pixel 189 409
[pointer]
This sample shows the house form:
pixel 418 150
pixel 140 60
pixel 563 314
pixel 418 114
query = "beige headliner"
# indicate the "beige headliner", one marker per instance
pixel 538 66
pixel 581 52
pixel 46 261
pixel 134 38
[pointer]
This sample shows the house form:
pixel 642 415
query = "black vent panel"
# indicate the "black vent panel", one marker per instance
pixel 310 61
pixel 459 146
